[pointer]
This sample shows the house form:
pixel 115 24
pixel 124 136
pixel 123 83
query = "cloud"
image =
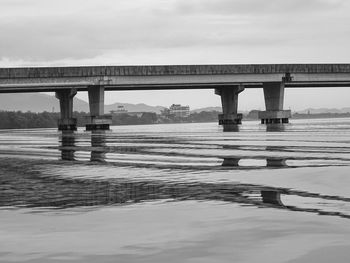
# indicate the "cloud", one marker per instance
pixel 83 30
pixel 255 7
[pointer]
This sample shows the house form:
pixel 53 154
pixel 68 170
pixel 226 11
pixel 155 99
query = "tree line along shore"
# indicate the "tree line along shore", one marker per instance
pixel 28 120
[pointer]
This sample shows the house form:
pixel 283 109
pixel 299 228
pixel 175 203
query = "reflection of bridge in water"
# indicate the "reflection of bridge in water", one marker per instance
pixel 98 150
pixel 98 141
pixel 182 153
pixel 33 189
pixel 270 162
pixel 63 193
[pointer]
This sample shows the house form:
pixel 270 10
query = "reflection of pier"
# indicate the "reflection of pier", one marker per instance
pixel 62 193
pixel 67 145
pixel 270 162
pixel 271 197
pixel 100 148
pixel 275 127
pixel 98 142
pixel 36 190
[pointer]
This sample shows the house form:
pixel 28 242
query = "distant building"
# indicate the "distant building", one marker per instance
pixel 179 111
pixel 120 109
pixel 149 117
pixel 135 113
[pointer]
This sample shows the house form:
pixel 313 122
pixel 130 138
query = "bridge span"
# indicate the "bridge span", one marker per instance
pixel 227 81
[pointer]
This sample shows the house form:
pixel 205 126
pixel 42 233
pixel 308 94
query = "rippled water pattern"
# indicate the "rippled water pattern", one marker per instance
pixel 67 188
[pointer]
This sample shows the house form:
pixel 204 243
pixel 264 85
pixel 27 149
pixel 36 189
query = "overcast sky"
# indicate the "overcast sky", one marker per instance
pixel 133 32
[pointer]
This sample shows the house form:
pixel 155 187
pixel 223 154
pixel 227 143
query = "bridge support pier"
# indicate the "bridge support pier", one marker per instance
pixel 67 122
pixel 229 118
pixel 274 98
pixel 97 120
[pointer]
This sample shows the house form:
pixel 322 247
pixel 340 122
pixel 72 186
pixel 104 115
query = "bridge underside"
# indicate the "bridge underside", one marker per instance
pixel 50 85
pixel 18 88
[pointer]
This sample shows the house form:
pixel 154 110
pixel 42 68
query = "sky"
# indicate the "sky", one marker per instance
pixel 150 32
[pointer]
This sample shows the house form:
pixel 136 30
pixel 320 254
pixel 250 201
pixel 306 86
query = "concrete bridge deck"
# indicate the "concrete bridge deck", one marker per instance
pixel 35 79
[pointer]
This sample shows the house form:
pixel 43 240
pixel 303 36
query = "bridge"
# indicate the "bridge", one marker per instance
pixel 227 81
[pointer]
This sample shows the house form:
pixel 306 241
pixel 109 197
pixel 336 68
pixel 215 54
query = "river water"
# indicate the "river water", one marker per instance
pixel 177 193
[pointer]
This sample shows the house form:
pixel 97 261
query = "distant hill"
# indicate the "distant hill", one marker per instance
pixel 141 107
pixel 325 110
pixel 306 111
pixel 218 109
pixel 37 102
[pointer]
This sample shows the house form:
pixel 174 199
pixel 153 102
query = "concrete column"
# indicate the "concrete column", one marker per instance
pixel 67 122
pixel 97 120
pixel 229 101
pixel 274 98
pixel 96 100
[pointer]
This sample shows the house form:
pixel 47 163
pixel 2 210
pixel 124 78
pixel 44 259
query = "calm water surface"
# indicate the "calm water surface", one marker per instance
pixel 177 193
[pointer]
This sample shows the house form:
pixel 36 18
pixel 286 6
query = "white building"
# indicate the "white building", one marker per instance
pixel 179 111
pixel 120 109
